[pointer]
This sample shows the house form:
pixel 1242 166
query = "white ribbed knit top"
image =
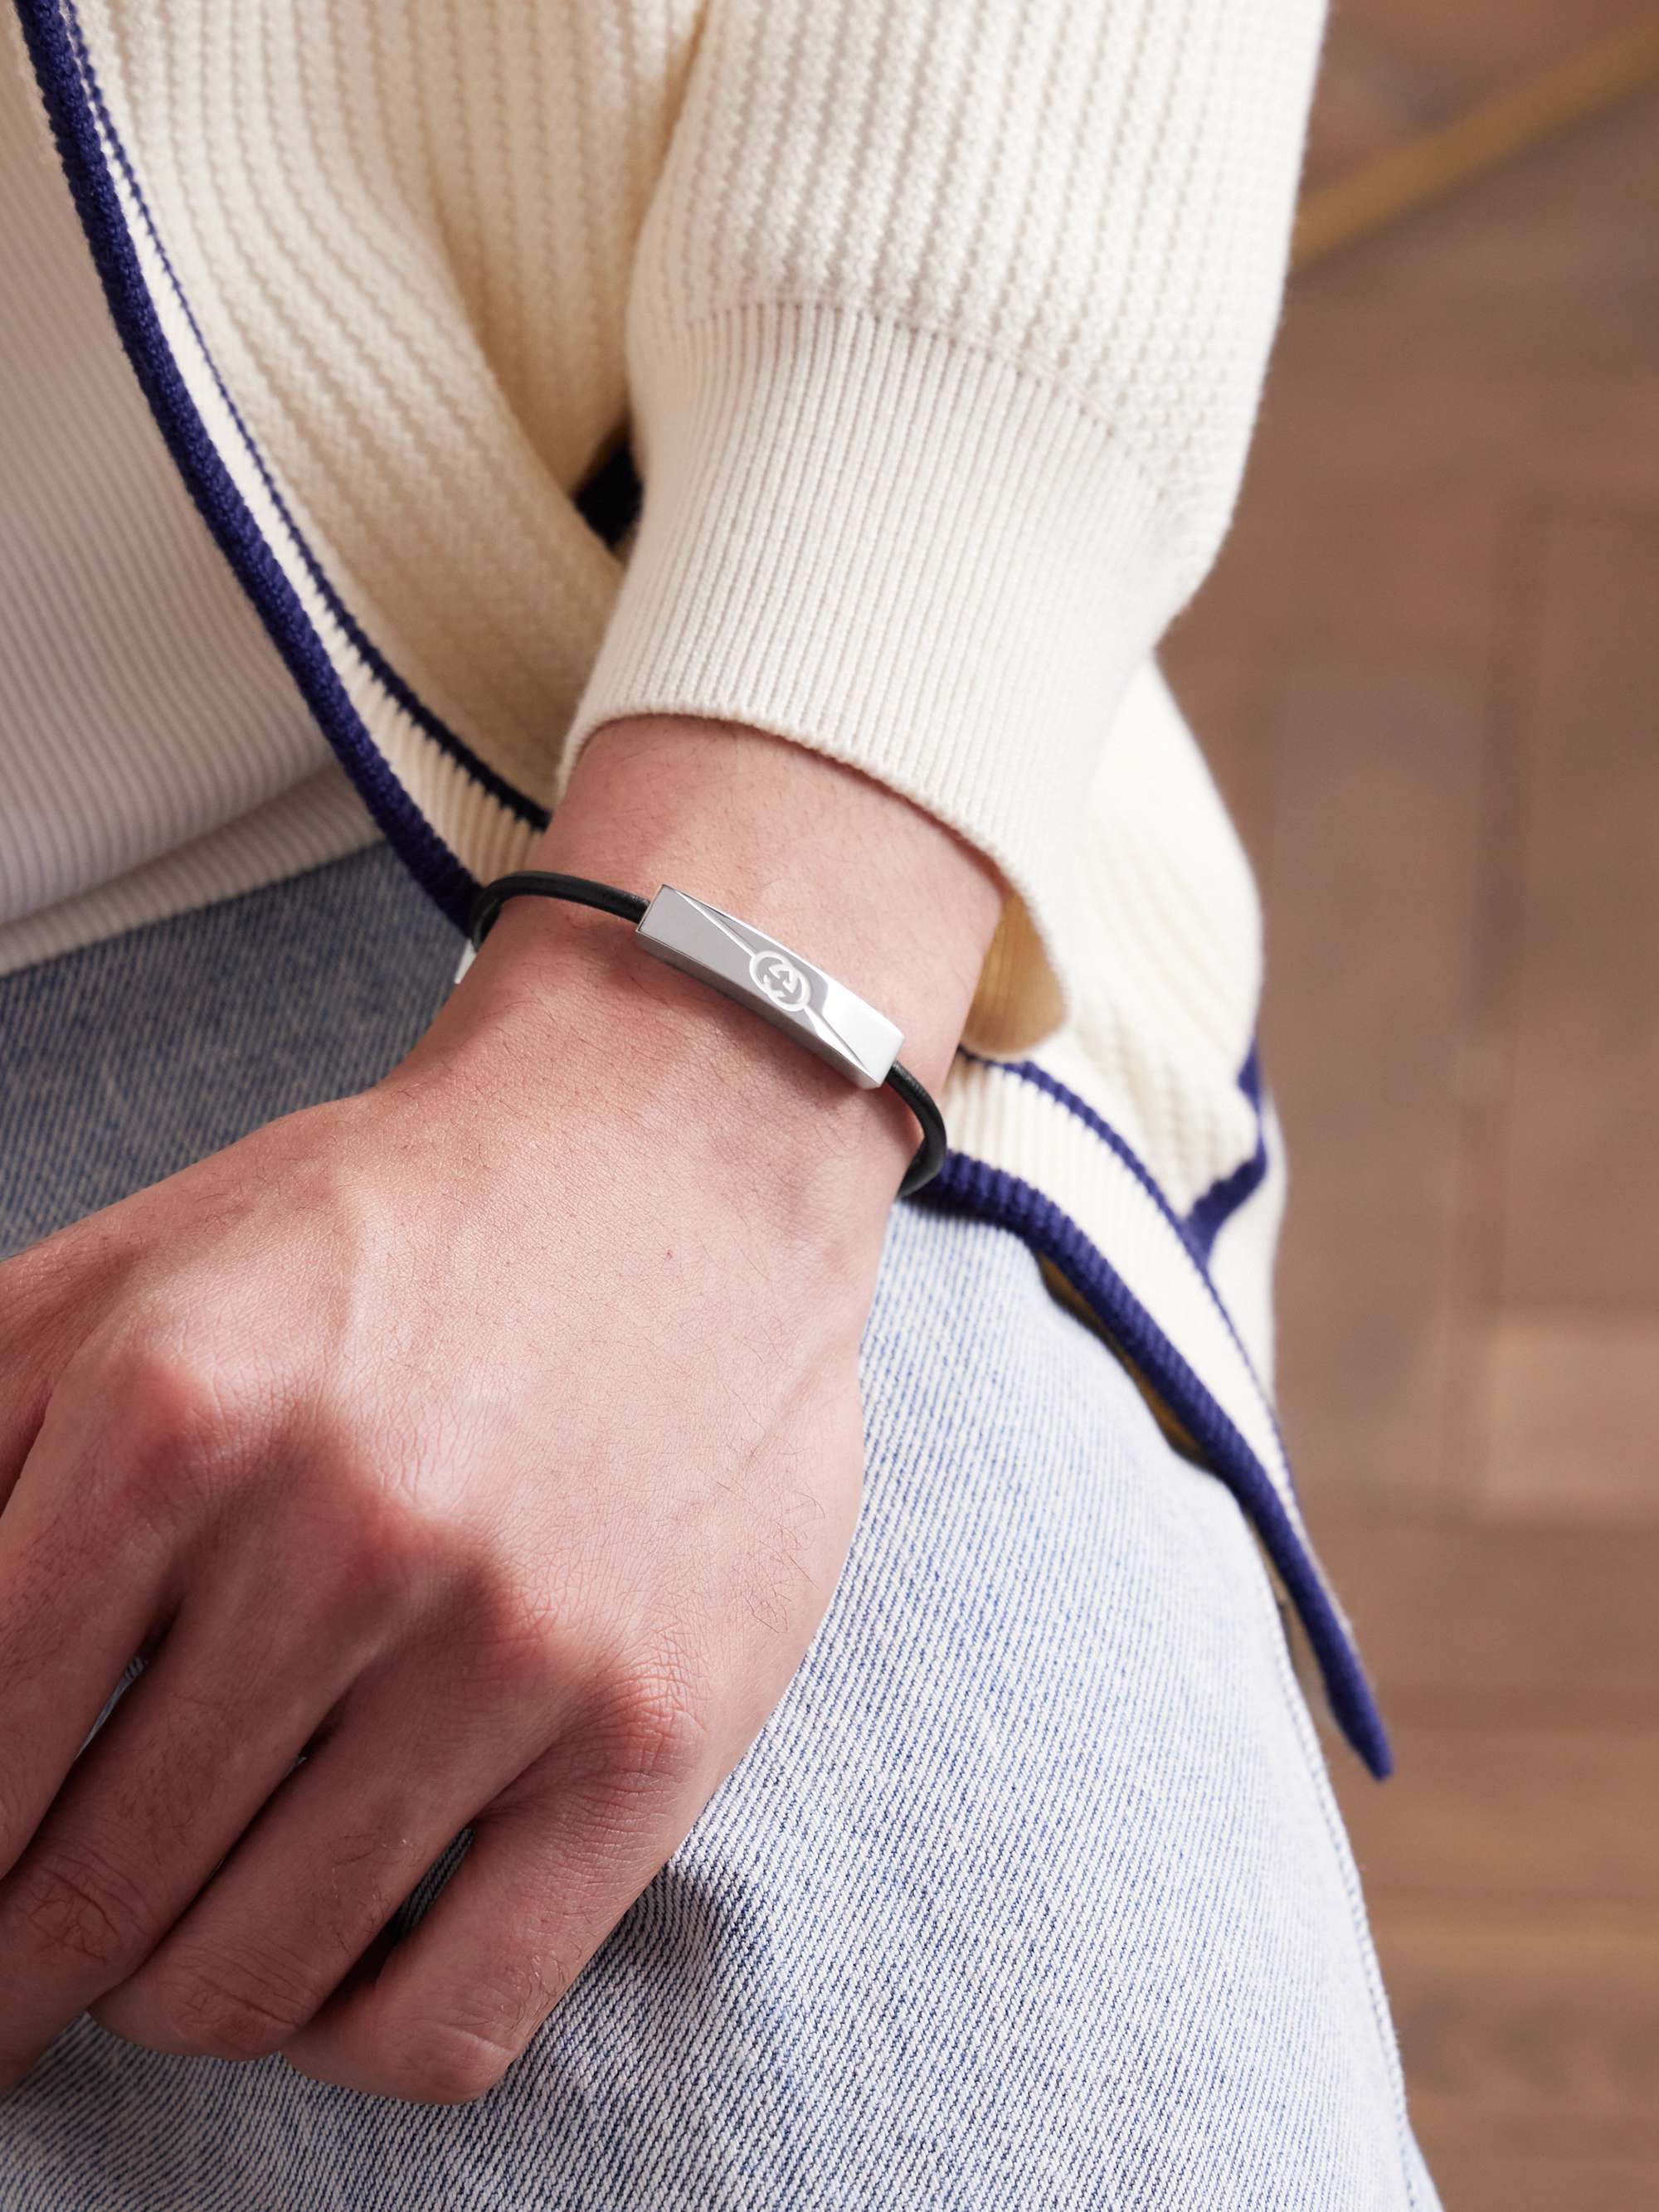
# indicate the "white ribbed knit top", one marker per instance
pixel 937 328
pixel 154 753
pixel 942 327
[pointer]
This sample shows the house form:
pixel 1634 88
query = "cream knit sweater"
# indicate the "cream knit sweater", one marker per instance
pixel 937 326
pixel 940 323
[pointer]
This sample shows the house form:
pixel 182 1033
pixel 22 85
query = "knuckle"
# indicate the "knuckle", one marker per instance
pixel 444 2064
pixel 170 1404
pixel 169 1423
pixel 516 1635
pixel 649 1726
pixel 223 2007
pixel 378 1550
pixel 77 1905
pixel 359 1551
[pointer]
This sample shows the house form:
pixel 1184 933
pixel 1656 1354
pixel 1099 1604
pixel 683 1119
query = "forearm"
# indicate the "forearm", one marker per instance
pixel 865 884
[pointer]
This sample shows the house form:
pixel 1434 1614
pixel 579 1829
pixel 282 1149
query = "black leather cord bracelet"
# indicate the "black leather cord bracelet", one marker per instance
pixel 743 963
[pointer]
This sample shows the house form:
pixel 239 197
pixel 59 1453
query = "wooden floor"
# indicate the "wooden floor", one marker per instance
pixel 1427 673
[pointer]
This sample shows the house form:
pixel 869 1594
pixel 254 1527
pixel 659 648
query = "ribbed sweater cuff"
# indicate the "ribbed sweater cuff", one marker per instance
pixel 909 555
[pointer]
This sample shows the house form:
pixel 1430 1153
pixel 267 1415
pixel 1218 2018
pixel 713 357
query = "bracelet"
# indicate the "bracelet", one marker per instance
pixel 743 963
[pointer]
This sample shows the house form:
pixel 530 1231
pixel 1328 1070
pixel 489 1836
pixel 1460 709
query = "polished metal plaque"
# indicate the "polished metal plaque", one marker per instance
pixel 754 968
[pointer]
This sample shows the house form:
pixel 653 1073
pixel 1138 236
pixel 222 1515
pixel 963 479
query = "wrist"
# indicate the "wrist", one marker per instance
pixel 574 1030
pixel 845 871
pixel 851 876
pixel 563 1009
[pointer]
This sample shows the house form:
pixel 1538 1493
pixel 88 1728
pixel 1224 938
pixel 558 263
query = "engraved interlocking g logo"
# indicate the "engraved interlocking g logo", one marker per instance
pixel 780 979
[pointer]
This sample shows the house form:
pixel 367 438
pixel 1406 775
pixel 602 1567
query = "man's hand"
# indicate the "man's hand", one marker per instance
pixel 492 1439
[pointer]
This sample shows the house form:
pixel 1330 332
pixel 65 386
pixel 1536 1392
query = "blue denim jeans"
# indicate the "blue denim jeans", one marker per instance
pixel 1032 1895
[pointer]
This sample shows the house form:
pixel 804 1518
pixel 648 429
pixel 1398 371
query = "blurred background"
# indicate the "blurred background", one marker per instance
pixel 1426 671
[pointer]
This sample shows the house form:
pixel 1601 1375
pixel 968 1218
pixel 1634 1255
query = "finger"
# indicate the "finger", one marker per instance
pixel 23 1399
pixel 323 1869
pixel 547 1877
pixel 82 1588
pixel 32 1288
pixel 191 1752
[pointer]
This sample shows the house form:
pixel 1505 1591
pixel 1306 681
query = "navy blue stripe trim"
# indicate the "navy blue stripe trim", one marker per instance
pixel 394 684
pixel 75 109
pixel 966 1185
pixel 1210 1213
pixel 1029 1071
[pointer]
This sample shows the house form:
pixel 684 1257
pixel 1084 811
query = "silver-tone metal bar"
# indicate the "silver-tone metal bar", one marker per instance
pixel 747 965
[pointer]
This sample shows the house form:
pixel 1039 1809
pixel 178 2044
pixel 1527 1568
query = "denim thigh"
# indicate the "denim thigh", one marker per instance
pixel 1032 1893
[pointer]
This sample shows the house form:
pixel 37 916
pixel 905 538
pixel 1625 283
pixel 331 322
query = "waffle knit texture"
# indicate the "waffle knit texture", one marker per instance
pixel 941 328
pixel 936 327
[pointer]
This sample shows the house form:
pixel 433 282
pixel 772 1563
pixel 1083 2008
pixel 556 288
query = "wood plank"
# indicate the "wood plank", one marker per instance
pixel 1457 53
pixel 1572 1418
pixel 1397 65
pixel 1585 2181
pixel 1582 1167
pixel 1369 96
pixel 1552 431
pixel 1487 1813
pixel 1316 567
pixel 1218 681
pixel 1539 2037
pixel 1519 267
pixel 1541 1620
pixel 1497 358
